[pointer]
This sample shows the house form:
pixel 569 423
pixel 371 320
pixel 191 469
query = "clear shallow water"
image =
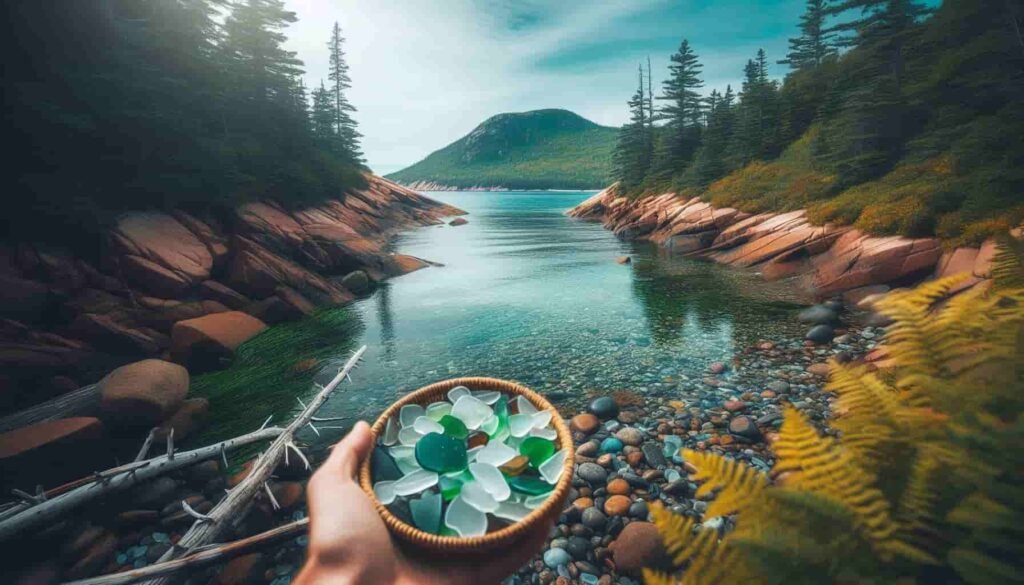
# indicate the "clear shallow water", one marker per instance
pixel 528 294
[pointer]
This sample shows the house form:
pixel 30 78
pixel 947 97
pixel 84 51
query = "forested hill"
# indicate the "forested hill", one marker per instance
pixel 895 117
pixel 542 149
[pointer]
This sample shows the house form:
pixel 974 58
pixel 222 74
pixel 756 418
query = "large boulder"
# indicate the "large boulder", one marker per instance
pixel 163 313
pixel 257 271
pixel 639 545
pixel 205 342
pixel 108 332
pixel 159 254
pixel 52 451
pixel 144 393
pixel 227 296
pixel 190 417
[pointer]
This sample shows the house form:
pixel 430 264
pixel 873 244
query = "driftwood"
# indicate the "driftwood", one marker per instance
pixel 79 402
pixel 232 508
pixel 202 557
pixel 32 514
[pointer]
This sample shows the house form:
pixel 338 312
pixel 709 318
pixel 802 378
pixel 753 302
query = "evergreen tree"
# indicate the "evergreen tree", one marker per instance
pixel 632 157
pixel 815 43
pixel 682 113
pixel 323 118
pixel 710 163
pixel 755 132
pixel 344 125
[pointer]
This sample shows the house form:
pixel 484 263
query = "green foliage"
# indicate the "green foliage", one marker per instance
pixel 140 104
pixel 543 149
pixel 922 484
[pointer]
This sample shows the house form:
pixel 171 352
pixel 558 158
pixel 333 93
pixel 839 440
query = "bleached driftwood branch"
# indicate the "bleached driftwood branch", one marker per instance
pixel 24 516
pixel 201 558
pixel 232 508
pixel 75 403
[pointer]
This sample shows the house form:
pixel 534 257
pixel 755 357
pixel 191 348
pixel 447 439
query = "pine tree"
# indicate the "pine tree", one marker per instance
pixel 710 163
pixel 755 133
pixel 344 124
pixel 323 118
pixel 682 114
pixel 815 42
pixel 632 156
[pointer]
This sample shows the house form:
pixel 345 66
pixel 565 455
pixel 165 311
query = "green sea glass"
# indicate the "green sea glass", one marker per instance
pixel 426 512
pixel 383 466
pixel 537 450
pixel 529 485
pixel 441 453
pixel 454 427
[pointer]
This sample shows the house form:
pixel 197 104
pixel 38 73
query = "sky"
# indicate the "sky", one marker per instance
pixel 426 72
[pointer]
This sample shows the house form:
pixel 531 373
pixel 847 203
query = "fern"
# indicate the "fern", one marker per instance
pixel 738 484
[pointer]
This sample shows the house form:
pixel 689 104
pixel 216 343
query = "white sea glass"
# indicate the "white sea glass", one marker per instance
pixel 408 464
pixel 520 424
pixel 544 433
pixel 491 478
pixel 496 454
pixel 541 419
pixel 425 425
pixel 535 501
pixel 490 425
pixel 390 432
pixel 408 436
pixel 409 413
pixel 458 392
pixel 487 396
pixel 474 494
pixel 472 453
pixel 514 511
pixel 471 411
pixel 465 519
pixel 437 410
pixel 385 491
pixel 415 482
pixel 552 469
pixel 401 451
pixel 525 406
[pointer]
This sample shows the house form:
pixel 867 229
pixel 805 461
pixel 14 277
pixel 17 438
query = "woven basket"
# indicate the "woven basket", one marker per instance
pixel 505 537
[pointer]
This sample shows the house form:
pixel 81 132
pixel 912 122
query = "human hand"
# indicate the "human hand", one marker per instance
pixel 349 543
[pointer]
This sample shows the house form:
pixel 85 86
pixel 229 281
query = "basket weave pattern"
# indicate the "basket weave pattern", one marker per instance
pixel 549 510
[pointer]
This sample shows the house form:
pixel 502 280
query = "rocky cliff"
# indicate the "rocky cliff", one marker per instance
pixel 825 260
pixel 66 321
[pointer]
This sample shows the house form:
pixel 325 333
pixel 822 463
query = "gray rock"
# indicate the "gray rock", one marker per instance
pixel 638 510
pixel 817 315
pixel 743 426
pixel 604 407
pixel 578 547
pixel 779 387
pixel 592 473
pixel 594 518
pixel 556 557
pixel 653 455
pixel 821 334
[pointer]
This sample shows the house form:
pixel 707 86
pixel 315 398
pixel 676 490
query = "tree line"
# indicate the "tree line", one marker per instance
pixel 879 82
pixel 128 104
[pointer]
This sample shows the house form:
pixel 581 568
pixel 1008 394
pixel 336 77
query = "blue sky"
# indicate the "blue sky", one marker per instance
pixel 425 72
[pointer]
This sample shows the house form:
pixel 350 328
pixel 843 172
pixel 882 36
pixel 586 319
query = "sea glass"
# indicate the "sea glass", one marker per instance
pixel 426 512
pixel 552 469
pixel 382 466
pixel 409 413
pixel 408 436
pixel 464 519
pixel 390 432
pixel 529 485
pixel 415 482
pixel 487 396
pixel 544 433
pixel 453 427
pixel 524 406
pixel 458 392
pixel 491 479
pixel 541 419
pixel 537 450
pixel 471 411
pixel 495 453
pixel 407 464
pixel 385 491
pixel 516 465
pixel 532 502
pixel 438 409
pixel 441 453
pixel 477 496
pixel 425 425
pixel 512 510
pixel 520 424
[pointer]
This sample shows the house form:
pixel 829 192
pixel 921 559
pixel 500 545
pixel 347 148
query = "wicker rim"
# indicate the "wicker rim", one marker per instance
pixel 550 508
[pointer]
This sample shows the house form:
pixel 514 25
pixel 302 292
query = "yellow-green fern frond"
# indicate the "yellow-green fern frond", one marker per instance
pixel 698 551
pixel 1008 264
pixel 818 464
pixel 737 484
pixel 917 511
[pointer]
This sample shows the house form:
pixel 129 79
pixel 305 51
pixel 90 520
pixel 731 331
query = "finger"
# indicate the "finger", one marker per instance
pixel 350 451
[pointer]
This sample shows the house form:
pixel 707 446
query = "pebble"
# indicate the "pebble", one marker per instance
pixel 556 557
pixel 619 486
pixel 592 473
pixel 617 505
pixel 593 518
pixel 611 445
pixel 585 423
pixel 604 407
pixel 630 436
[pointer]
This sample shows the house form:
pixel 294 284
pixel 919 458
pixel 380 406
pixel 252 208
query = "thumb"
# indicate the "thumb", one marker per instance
pixel 350 451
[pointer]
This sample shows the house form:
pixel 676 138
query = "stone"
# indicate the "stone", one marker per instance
pixel 205 341
pixel 639 510
pixel 821 334
pixel 458 221
pixel 426 512
pixel 819 369
pixel 159 253
pixel 618 486
pixel 652 453
pixel 556 557
pixel 617 505
pixel 454 427
pixel 288 494
pixel 630 436
pixel 356 281
pixel 98 554
pixel 223 294
pixel 491 479
pixel 623 260
pixel 465 519
pixel 592 473
pixel 593 518
pixel 537 450
pixel 604 407
pixel 578 547
pixel 717 368
pixel 779 387
pixel 588 449
pixel 142 393
pixel 54 450
pixel 415 482
pixel 744 426
pixel 243 570
pixel 190 417
pixel 441 453
pixel 639 545
pixel 818 315
pixel 611 445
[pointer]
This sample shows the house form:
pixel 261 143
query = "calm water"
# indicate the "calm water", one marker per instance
pixel 525 293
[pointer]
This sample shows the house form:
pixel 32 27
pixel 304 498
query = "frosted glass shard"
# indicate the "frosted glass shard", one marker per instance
pixel 401 451
pixel 408 436
pixel 438 409
pixel 425 425
pixel 458 392
pixel 487 396
pixel 426 512
pixel 496 454
pixel 390 432
pixel 541 419
pixel 535 501
pixel 474 494
pixel 514 511
pixel 520 424
pixel 409 413
pixel 472 453
pixel 385 491
pixel 415 482
pixel 552 469
pixel 545 433
pixel 492 480
pixel 490 425
pixel 471 411
pixel 525 406
pixel 502 435
pixel 408 464
pixel 465 519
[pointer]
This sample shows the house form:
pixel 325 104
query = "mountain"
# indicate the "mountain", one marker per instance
pixel 542 149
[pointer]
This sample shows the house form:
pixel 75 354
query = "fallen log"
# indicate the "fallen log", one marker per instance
pixel 28 515
pixel 81 402
pixel 202 557
pixel 231 510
